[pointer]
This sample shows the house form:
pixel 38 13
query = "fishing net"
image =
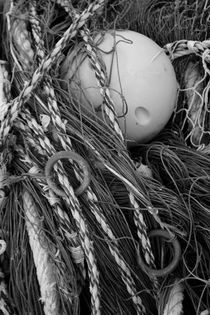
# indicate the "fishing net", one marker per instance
pixel 88 225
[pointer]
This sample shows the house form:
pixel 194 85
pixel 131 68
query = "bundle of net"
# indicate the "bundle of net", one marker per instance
pixel 101 214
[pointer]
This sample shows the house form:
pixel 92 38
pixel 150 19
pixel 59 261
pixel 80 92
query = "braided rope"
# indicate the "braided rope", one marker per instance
pixel 4 97
pixel 65 226
pixel 51 98
pixel 197 92
pixel 66 143
pixel 4 88
pixel 113 247
pixel 126 275
pixel 109 108
pixel 14 107
pixel 185 47
pixel 76 211
pixel 100 74
pixel 71 201
pixel 110 111
pixel 5 308
pixel 44 267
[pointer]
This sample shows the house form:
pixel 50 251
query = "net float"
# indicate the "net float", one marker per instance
pixel 141 80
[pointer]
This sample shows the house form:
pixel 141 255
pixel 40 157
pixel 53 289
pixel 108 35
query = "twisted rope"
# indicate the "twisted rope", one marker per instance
pixel 174 304
pixel 14 107
pixel 64 224
pixel 109 108
pixel 100 74
pixel 74 206
pixel 185 47
pixel 44 267
pixel 4 97
pixel 48 150
pixel 111 114
pixel 4 88
pixel 5 308
pixel 92 199
pixel 125 272
pixel 197 111
pixel 43 276
pixel 114 249
pixel 110 111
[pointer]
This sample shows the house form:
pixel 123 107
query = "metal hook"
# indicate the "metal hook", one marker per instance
pixel 72 156
pixel 172 265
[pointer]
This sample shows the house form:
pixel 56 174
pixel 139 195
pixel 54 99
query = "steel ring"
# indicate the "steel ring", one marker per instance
pixel 72 156
pixel 172 265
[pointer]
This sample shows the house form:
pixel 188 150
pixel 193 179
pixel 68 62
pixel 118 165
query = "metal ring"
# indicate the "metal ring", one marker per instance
pixel 72 156
pixel 172 265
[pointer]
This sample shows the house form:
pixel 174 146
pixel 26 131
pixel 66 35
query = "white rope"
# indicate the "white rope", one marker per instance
pixel 44 267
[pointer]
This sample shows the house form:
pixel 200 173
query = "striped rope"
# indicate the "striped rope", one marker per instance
pixel 72 202
pixel 125 272
pixel 101 78
pixel 4 88
pixel 65 226
pixel 49 90
pixel 114 249
pixel 185 47
pixel 100 74
pixel 76 211
pixel 65 141
pixel 110 111
pixel 5 307
pixel 14 107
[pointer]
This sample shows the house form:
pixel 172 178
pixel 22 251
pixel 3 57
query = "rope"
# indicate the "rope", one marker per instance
pixel 196 113
pixel 44 267
pixel 4 97
pixel 5 308
pixel 111 114
pixel 113 247
pixel 100 74
pixel 46 147
pixel 14 107
pixel 73 205
pixel 65 226
pixel 92 199
pixel 109 109
pixel 182 48
pixel 66 143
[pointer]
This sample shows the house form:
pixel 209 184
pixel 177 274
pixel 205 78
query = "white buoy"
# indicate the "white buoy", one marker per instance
pixel 142 82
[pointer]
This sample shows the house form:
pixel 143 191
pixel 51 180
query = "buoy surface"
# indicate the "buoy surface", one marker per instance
pixel 140 77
